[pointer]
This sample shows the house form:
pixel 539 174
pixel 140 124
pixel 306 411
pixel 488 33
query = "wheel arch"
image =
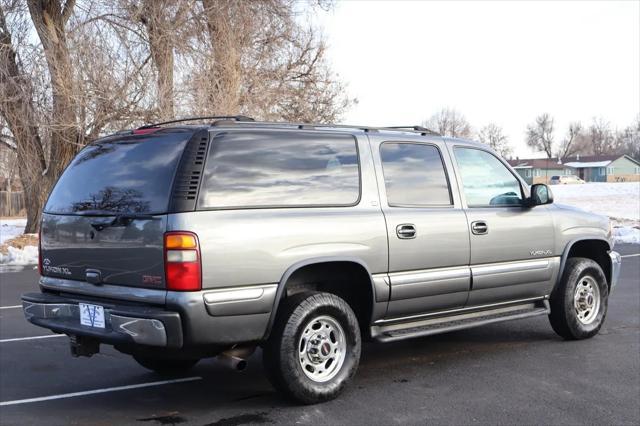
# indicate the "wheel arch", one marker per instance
pixel 363 312
pixel 593 248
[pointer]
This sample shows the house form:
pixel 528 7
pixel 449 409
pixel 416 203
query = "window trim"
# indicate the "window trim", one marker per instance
pixel 417 206
pixel 506 166
pixel 279 206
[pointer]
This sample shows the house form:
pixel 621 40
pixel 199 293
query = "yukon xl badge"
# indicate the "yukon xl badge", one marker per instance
pixel 541 252
pixel 46 266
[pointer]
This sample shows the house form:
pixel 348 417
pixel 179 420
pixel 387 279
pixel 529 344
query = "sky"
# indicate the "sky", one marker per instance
pixel 501 62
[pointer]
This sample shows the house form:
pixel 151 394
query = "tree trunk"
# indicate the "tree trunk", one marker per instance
pixel 161 48
pixel 17 109
pixel 226 70
pixel 49 18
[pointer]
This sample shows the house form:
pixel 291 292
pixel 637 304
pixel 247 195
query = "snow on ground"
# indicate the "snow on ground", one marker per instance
pixel 619 201
pixel 10 228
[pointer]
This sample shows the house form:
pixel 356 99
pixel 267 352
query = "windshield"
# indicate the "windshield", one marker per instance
pixel 129 174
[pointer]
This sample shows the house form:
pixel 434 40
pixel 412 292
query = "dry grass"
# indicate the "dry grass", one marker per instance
pixel 20 242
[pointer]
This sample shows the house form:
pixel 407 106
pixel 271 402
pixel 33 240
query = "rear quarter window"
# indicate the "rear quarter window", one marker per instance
pixel 249 169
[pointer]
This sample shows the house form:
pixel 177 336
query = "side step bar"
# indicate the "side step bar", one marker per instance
pixel 443 324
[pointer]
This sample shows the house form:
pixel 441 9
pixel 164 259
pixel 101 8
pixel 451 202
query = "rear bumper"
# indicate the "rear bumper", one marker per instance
pixel 616 263
pixel 154 318
pixel 123 324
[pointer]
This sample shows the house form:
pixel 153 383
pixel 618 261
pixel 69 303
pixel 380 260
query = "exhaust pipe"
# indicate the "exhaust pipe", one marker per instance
pixel 232 362
pixel 236 357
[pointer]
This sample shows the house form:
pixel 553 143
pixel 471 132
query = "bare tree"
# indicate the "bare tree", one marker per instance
pixel 539 135
pixel 492 135
pixel 628 140
pixel 570 144
pixel 601 138
pixel 55 95
pixel 449 122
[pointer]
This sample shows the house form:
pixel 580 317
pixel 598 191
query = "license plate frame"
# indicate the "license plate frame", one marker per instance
pixel 91 315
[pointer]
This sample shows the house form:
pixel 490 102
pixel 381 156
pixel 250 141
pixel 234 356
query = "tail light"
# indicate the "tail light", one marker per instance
pixel 182 261
pixel 40 250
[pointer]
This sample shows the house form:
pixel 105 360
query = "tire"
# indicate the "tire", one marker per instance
pixel 574 315
pixel 316 368
pixel 166 366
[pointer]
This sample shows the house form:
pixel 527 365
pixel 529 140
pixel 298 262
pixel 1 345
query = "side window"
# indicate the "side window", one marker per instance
pixel 485 180
pixel 414 175
pixel 280 169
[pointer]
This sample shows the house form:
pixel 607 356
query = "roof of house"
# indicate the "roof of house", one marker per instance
pixel 579 161
pixel 536 163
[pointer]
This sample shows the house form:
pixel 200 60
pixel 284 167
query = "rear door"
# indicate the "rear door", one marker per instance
pixel 426 227
pixel 512 247
pixel 105 219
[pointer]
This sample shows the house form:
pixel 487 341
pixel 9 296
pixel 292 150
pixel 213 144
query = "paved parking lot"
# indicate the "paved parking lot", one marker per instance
pixel 514 372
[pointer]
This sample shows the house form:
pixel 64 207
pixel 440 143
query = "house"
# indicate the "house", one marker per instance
pixel 605 168
pixel 539 170
pixel 593 168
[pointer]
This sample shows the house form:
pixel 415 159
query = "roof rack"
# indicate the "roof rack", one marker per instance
pixel 204 117
pixel 420 129
pixel 223 120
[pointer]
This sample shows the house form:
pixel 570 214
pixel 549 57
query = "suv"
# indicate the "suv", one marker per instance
pixel 565 180
pixel 178 243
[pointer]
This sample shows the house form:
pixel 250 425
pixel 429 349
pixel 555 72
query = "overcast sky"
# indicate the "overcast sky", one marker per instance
pixel 500 61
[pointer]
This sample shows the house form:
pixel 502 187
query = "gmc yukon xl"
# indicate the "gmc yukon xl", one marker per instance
pixel 177 242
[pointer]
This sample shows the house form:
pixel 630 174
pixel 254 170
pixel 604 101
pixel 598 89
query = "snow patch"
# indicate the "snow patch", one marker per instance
pixel 10 228
pixel 25 256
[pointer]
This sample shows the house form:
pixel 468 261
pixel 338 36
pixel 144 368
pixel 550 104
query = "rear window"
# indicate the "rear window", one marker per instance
pixel 129 174
pixel 280 169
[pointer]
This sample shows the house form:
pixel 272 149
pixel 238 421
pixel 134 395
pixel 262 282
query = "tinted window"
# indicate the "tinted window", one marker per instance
pixel 129 174
pixel 414 175
pixel 486 181
pixel 279 169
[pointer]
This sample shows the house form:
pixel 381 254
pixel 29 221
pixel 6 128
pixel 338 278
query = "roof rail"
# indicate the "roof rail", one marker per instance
pixel 204 117
pixel 420 129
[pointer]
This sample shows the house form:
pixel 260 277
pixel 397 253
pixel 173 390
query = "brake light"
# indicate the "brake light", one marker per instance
pixel 182 261
pixel 145 131
pixel 40 250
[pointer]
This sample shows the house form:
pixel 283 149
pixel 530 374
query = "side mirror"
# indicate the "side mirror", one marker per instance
pixel 540 194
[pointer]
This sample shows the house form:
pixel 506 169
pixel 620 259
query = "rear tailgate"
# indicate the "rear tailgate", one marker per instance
pixel 106 217
pixel 129 255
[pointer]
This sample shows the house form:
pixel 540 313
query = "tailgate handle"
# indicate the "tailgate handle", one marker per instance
pixel 93 276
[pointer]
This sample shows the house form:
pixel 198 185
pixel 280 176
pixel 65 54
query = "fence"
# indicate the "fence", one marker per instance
pixel 12 204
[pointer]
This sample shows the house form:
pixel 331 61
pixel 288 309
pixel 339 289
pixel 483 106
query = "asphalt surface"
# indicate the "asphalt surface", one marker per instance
pixel 512 372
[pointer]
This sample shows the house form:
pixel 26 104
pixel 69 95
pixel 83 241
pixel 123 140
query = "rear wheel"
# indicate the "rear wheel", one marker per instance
pixel 579 302
pixel 314 348
pixel 165 366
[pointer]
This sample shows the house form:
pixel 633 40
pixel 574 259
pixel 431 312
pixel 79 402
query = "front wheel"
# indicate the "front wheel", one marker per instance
pixel 314 348
pixel 579 301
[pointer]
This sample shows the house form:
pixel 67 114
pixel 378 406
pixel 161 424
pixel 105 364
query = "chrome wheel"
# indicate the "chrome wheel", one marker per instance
pixel 586 299
pixel 322 348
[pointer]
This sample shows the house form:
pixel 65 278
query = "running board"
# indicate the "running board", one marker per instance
pixel 443 324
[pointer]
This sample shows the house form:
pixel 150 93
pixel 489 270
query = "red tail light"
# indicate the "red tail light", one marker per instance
pixel 40 250
pixel 182 261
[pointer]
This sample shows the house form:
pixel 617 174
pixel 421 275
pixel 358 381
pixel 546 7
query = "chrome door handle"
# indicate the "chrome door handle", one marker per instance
pixel 479 227
pixel 406 231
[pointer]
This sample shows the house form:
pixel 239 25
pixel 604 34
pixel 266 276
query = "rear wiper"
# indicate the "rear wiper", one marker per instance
pixel 122 220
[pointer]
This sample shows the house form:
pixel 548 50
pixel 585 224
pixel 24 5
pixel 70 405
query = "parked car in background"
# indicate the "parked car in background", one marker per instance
pixel 565 180
pixel 177 243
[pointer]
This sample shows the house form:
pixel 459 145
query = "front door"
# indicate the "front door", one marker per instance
pixel 426 227
pixel 512 246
